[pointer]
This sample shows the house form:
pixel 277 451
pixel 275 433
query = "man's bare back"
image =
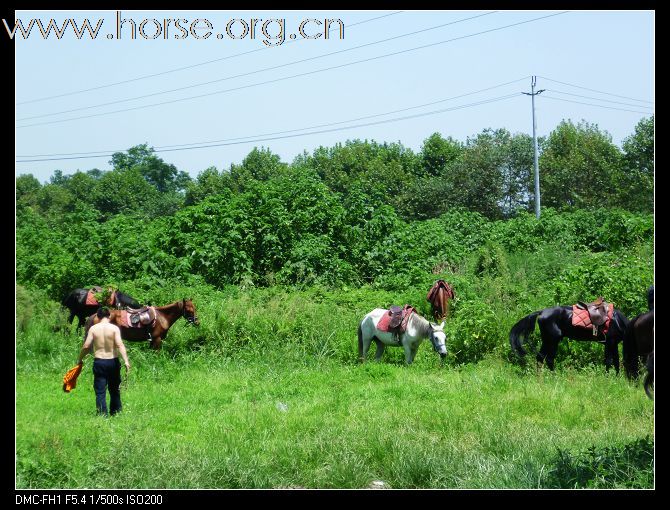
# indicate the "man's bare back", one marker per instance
pixel 104 341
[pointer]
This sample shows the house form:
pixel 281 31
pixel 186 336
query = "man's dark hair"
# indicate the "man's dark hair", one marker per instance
pixel 103 312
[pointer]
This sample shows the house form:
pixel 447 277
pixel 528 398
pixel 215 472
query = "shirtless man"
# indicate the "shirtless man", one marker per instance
pixel 105 338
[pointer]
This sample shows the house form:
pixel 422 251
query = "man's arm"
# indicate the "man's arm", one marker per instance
pixel 121 347
pixel 85 349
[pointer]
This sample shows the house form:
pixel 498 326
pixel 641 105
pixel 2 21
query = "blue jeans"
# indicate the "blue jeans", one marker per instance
pixel 107 373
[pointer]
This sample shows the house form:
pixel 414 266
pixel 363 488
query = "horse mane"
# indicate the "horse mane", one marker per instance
pixel 179 304
pixel 421 324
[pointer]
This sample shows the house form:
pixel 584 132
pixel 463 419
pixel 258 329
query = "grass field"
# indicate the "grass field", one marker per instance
pixel 279 422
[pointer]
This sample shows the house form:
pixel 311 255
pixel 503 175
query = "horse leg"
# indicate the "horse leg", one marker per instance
pixel 364 341
pixel 380 349
pixel 611 356
pixel 410 352
pixel 156 342
pixel 551 352
pixel 548 351
pixel 551 335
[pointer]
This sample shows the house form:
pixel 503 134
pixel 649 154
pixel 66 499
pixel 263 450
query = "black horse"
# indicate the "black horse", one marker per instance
pixel 556 323
pixel 75 301
pixel 649 380
pixel 650 297
pixel 638 343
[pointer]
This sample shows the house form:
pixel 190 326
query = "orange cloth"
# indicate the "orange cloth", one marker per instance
pixel 70 378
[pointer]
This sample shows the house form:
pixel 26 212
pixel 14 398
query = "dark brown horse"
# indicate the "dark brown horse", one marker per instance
pixel 638 343
pixel 438 297
pixel 166 316
pixel 649 380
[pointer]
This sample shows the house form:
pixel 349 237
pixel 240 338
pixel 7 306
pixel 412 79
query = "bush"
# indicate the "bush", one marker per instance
pixel 628 466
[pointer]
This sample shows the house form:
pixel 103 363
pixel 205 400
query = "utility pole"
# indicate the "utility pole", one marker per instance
pixel 537 167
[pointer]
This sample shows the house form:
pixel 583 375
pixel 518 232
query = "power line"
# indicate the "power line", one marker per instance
pixel 598 105
pixel 290 130
pixel 599 91
pixel 144 77
pixel 397 119
pixel 598 99
pixel 292 76
pixel 253 72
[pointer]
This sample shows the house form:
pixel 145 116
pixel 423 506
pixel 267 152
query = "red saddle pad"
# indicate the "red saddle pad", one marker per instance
pixel 581 318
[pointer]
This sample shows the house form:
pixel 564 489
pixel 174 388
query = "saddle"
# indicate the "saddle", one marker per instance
pixel 440 284
pixel 395 320
pixel 140 317
pixel 91 300
pixel 599 314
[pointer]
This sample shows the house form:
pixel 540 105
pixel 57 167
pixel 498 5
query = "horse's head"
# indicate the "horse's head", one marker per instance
pixel 189 312
pixel 439 339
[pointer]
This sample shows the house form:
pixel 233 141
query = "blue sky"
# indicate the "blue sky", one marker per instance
pixel 606 51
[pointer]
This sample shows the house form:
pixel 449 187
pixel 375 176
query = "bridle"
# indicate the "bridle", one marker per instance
pixel 190 319
pixel 433 340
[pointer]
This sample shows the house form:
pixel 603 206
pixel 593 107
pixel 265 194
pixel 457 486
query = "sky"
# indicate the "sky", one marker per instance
pixel 393 76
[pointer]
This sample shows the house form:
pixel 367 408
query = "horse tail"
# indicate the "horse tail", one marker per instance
pixel 630 361
pixel 520 332
pixel 360 341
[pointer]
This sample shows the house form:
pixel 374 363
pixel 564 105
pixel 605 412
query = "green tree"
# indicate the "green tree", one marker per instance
pixel 122 191
pixel 260 164
pixel 163 176
pixel 518 174
pixel 438 153
pixel 580 167
pixel 208 182
pixel 638 167
pixel 27 188
pixel 477 179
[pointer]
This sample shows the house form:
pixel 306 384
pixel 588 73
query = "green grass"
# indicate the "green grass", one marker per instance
pixel 268 393
pixel 206 422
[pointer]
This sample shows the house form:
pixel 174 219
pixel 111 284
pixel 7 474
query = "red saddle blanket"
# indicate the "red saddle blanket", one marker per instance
pixel 90 298
pixel 582 319
pixel 440 284
pixel 383 324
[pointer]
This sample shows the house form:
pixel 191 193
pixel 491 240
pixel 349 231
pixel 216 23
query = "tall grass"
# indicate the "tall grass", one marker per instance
pixel 267 393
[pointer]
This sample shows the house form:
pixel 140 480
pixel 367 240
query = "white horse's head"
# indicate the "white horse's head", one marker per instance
pixel 439 339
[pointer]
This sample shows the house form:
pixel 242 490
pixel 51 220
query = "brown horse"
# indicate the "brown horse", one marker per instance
pixel 438 296
pixel 166 316
pixel 638 342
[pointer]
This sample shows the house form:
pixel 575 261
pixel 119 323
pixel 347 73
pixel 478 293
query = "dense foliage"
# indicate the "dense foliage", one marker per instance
pixel 363 215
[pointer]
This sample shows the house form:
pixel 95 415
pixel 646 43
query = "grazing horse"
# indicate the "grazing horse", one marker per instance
pixel 75 301
pixel 438 297
pixel 649 380
pixel 638 342
pixel 418 329
pixel 556 323
pixel 156 332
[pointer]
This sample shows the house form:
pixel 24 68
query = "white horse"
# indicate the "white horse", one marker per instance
pixel 418 329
